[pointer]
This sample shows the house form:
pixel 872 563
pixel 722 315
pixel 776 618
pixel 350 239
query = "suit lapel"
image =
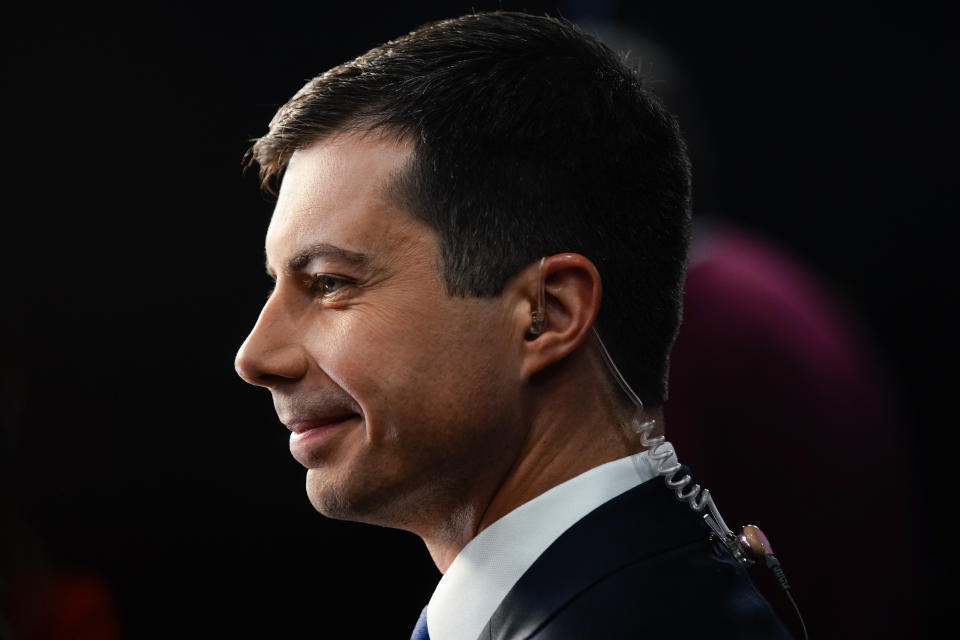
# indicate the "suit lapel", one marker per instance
pixel 635 525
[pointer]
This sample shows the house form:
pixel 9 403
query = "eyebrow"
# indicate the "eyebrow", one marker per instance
pixel 322 250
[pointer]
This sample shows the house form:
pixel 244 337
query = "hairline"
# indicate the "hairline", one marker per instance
pixel 393 189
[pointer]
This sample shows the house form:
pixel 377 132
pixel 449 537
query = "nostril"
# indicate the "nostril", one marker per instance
pixel 268 380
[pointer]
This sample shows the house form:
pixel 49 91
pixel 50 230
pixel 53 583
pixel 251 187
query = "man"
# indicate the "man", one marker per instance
pixel 458 209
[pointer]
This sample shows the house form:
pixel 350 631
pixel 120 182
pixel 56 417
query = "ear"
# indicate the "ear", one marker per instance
pixel 572 299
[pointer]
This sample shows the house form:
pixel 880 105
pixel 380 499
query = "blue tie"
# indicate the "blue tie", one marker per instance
pixel 420 631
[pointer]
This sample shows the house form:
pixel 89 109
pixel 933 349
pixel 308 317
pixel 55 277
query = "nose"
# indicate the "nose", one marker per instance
pixel 271 354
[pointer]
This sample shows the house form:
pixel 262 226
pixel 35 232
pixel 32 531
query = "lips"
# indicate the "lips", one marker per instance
pixel 301 425
pixel 308 436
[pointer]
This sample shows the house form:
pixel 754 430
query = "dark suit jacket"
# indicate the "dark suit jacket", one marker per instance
pixel 642 565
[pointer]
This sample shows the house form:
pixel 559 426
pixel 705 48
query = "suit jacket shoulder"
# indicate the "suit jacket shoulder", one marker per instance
pixel 642 565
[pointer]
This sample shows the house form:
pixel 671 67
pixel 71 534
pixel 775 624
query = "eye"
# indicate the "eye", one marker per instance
pixel 325 284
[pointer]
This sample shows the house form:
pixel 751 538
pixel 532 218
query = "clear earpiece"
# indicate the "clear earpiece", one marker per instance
pixel 538 316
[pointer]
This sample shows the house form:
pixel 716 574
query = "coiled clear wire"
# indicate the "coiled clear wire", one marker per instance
pixel 665 463
pixel 663 455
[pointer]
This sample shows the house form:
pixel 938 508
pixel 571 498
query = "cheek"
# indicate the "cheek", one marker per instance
pixel 416 374
pixel 376 356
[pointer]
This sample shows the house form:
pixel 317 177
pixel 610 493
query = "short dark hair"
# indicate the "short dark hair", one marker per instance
pixel 529 138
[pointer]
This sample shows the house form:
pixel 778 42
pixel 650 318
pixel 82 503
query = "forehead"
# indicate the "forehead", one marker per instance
pixel 338 192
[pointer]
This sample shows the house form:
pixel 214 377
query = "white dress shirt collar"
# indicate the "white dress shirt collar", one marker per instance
pixel 488 567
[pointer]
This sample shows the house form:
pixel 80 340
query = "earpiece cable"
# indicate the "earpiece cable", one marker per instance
pixel 663 455
pixel 661 452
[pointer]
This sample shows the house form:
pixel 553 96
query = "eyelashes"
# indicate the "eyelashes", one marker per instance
pixel 324 284
pixel 321 285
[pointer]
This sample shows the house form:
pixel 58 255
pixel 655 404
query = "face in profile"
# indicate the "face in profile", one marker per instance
pixel 400 399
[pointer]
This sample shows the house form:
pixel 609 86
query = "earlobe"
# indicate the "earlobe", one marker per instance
pixel 565 300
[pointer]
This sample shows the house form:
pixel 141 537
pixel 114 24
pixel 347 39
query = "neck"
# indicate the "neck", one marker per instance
pixel 572 425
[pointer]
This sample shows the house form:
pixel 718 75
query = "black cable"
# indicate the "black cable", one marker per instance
pixel 800 617
pixel 774 565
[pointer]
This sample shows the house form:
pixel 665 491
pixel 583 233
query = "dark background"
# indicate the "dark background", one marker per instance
pixel 133 455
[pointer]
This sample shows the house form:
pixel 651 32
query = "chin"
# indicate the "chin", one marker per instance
pixel 328 499
pixel 383 504
pixel 342 501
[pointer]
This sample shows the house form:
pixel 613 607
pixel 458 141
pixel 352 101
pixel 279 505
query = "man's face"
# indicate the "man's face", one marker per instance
pixel 400 399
